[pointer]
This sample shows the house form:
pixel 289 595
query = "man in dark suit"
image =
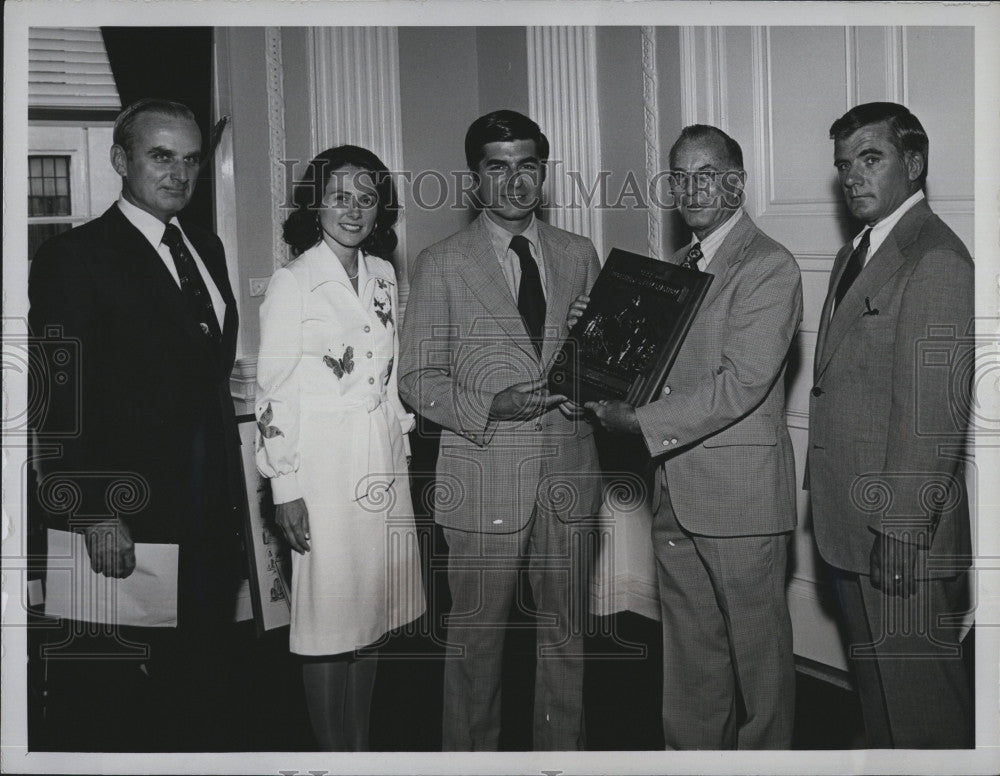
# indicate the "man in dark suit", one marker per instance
pixel 149 302
pixel 485 317
pixel 724 498
pixel 888 418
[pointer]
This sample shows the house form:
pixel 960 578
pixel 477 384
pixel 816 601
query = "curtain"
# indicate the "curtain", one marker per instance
pixel 174 63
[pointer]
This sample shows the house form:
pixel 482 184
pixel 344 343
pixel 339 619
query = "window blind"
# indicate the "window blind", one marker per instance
pixel 68 68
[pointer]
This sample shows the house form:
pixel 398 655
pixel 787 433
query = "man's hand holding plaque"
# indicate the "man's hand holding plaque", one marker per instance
pixel 618 417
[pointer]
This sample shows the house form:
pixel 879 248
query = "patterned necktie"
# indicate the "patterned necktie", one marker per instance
pixel 193 286
pixel 693 257
pixel 530 299
pixel 853 268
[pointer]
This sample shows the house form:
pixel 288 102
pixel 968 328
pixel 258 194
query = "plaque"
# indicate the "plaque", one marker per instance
pixel 625 342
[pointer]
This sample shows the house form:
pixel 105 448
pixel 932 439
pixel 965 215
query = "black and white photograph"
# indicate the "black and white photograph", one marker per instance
pixel 287 487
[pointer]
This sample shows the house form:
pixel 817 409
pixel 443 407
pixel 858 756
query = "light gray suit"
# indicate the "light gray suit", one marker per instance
pixel 887 427
pixel 506 490
pixel 727 502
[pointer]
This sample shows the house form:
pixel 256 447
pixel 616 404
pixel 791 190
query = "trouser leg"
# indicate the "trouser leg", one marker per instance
pixel 482 576
pixel 908 663
pixel 748 577
pixel 557 569
pixel 699 687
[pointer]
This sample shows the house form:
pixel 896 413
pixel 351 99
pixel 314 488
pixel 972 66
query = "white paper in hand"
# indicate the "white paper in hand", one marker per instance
pixel 147 597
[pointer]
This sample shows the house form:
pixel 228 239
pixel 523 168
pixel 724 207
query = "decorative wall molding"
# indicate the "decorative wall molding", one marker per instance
pixel 354 85
pixel 704 97
pixel 276 137
pixel 851 74
pixel 689 75
pixel 760 43
pixel 651 132
pixel 895 64
pixel 562 98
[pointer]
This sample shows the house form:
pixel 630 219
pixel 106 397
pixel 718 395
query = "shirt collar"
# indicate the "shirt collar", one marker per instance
pixel 710 245
pixel 152 228
pixel 881 230
pixel 501 237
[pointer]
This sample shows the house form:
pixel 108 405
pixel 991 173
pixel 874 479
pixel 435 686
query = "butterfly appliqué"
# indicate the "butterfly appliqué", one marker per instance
pixel 382 302
pixel 343 365
pixel 267 431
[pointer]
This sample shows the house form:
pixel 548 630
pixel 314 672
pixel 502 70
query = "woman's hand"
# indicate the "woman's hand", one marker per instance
pixel 293 517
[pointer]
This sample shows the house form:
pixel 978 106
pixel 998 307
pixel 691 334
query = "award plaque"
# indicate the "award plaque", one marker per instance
pixel 625 342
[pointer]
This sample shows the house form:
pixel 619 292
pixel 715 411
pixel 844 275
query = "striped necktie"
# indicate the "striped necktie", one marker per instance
pixel 193 286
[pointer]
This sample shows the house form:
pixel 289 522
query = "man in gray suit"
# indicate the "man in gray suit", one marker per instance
pixel 724 501
pixel 888 418
pixel 486 315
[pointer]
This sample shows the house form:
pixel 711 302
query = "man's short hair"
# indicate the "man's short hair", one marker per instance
pixel 123 134
pixel 699 132
pixel 502 126
pixel 906 132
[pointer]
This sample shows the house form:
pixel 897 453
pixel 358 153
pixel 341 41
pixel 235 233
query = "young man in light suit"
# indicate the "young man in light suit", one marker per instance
pixel 888 417
pixel 485 316
pixel 724 499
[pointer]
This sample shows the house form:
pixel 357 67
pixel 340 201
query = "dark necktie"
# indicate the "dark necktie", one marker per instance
pixel 530 299
pixel 693 257
pixel 192 284
pixel 853 268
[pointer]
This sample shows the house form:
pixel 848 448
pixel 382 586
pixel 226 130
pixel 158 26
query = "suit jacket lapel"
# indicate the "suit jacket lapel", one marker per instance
pixel 559 285
pixel 215 263
pixel 483 276
pixel 824 321
pixel 879 269
pixel 728 256
pixel 139 256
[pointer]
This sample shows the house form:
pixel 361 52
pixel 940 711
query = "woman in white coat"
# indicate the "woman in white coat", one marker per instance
pixel 332 438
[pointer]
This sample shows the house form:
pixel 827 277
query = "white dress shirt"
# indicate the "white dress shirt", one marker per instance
pixel 152 229
pixel 710 245
pixel 881 230
pixel 510 264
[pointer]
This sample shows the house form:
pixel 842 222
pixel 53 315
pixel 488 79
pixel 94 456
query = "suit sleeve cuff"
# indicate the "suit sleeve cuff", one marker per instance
pixel 653 429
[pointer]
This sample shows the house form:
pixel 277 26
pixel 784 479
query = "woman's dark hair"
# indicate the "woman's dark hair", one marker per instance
pixel 301 229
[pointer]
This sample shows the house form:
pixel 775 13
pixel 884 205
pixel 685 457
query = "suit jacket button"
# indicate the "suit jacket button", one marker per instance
pixel 666 443
pixel 817 391
pixel 666 390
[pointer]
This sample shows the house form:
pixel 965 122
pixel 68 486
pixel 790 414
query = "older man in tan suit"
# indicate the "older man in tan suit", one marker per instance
pixel 724 503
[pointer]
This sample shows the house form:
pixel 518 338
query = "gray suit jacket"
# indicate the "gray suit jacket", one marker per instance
pixel 729 464
pixel 463 341
pixel 890 401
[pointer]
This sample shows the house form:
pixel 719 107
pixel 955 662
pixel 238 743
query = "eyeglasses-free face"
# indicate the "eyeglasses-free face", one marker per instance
pixel 350 206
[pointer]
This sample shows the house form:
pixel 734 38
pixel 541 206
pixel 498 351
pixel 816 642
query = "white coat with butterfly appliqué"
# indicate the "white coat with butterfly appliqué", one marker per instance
pixel 331 430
